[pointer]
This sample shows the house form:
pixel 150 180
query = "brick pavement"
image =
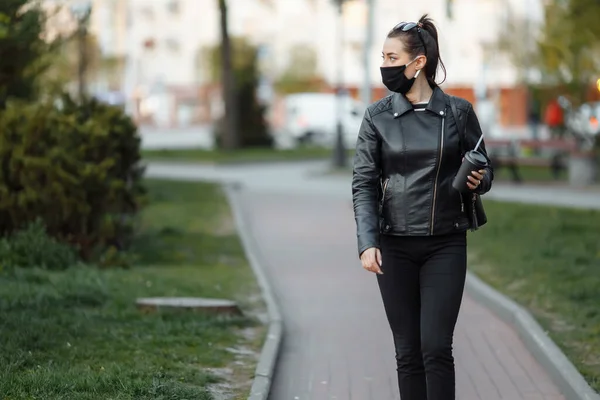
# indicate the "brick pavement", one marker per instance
pixel 337 343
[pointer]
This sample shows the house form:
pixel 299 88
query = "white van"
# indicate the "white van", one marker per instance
pixel 311 118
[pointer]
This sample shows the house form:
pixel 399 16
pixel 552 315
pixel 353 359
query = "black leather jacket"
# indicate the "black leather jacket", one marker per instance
pixel 404 167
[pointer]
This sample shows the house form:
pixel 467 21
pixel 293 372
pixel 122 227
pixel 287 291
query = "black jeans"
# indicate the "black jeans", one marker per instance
pixel 422 287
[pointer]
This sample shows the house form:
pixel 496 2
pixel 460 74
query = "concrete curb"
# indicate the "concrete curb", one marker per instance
pixel 570 382
pixel 263 375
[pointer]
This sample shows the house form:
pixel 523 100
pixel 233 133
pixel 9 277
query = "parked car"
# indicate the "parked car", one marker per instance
pixel 311 119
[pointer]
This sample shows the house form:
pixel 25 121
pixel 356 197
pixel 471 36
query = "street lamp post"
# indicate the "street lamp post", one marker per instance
pixel 367 92
pixel 339 153
pixel 81 11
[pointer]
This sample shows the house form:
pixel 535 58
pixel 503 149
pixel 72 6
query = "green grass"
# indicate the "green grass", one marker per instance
pixel 76 334
pixel 547 259
pixel 249 155
pixel 530 174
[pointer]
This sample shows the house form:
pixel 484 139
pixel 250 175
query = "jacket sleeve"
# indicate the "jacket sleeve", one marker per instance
pixel 365 181
pixel 474 132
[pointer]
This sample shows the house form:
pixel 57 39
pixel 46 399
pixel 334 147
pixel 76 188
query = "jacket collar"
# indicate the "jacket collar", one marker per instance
pixel 437 103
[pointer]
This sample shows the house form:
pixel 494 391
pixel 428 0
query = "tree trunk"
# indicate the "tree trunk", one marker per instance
pixel 230 129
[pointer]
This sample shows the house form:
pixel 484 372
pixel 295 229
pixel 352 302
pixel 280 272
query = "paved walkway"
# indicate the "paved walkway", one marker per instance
pixel 307 178
pixel 337 342
pixel 156 138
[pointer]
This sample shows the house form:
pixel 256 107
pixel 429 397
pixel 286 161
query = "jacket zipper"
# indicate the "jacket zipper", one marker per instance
pixel 382 204
pixel 437 174
pixel 385 186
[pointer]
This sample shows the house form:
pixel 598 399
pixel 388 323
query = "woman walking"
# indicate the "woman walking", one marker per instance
pixel 411 222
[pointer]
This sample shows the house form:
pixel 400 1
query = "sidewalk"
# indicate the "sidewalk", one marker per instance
pixel 337 343
pixel 157 138
pixel 309 177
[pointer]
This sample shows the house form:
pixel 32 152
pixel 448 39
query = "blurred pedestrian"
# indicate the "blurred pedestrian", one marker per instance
pixel 534 118
pixel 411 222
pixel 513 161
pixel 554 119
pixel 533 115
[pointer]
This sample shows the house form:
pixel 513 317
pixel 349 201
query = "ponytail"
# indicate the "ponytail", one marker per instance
pixel 428 46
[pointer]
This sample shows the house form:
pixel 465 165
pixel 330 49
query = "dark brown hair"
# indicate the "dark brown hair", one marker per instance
pixel 414 46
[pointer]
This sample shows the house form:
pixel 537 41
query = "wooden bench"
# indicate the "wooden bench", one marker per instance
pixel 509 154
pixel 524 161
pixel 560 145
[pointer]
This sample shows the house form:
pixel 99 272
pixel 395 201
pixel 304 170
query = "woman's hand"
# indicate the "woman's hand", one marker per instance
pixel 371 260
pixel 474 180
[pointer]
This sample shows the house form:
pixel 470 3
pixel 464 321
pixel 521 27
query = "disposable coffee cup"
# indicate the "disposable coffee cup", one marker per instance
pixel 474 161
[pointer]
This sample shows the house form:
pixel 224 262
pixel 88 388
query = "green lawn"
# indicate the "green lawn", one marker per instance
pixel 240 156
pixel 547 259
pixel 77 334
pixel 530 174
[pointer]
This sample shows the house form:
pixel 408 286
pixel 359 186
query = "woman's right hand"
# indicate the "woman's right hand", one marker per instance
pixel 371 260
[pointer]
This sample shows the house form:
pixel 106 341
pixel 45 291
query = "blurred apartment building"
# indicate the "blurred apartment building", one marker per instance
pixel 164 74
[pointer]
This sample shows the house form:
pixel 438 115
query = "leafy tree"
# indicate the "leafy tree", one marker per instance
pixel 567 49
pixel 3 25
pixel 23 49
pixel 301 72
pixel 250 111
pixel 64 63
pixel 569 45
pixel 230 128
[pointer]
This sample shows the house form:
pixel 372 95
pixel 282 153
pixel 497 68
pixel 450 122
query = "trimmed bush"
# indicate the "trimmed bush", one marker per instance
pixel 75 167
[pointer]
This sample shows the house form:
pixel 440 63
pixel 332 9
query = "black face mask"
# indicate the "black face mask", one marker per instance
pixel 394 79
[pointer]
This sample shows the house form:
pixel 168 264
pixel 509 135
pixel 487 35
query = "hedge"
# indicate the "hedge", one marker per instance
pixel 75 167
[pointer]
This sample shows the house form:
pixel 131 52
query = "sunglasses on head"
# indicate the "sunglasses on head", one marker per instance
pixel 407 26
